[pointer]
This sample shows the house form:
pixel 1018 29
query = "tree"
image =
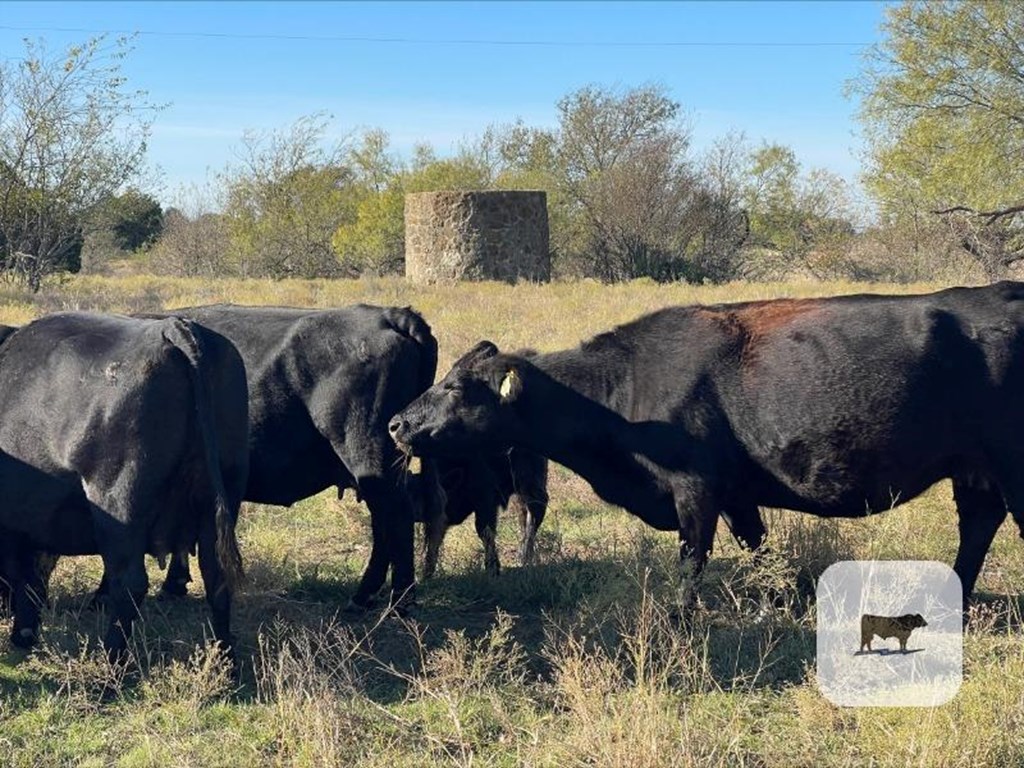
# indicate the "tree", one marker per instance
pixel 71 135
pixel 375 241
pixel 135 219
pixel 526 158
pixel 193 246
pixel 286 200
pixel 195 241
pixel 121 226
pixel 622 160
pixel 704 230
pixel 25 223
pixel 799 220
pixel 718 213
pixel 771 197
pixel 943 112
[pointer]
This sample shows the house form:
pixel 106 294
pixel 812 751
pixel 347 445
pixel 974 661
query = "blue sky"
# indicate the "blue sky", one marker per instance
pixel 442 72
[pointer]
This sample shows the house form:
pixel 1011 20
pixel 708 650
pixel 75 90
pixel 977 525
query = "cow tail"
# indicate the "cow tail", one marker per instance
pixel 180 333
pixel 409 323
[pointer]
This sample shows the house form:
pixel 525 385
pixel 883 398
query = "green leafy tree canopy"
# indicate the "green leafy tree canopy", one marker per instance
pixel 72 133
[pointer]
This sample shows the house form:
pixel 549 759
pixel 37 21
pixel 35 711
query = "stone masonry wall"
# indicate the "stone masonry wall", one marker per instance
pixel 476 236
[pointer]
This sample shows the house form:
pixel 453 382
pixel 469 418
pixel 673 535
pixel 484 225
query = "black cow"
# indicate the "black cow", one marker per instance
pixel 322 386
pixel 839 407
pixel 5 588
pixel 119 437
pixel 515 480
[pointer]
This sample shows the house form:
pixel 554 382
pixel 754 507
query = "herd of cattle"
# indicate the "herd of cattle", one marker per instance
pixel 122 436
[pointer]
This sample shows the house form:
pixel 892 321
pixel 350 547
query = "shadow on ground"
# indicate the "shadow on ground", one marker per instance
pixel 601 599
pixel 888 652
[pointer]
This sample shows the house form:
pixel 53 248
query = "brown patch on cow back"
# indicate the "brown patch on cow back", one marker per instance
pixel 765 317
pixel 751 323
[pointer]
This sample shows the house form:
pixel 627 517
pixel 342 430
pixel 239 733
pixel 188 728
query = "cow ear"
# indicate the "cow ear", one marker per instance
pixel 511 386
pixel 481 351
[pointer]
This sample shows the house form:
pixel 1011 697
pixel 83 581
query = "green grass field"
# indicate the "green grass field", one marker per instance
pixel 574 661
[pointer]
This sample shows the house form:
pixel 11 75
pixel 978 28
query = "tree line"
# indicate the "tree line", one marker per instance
pixel 941 111
pixel 627 197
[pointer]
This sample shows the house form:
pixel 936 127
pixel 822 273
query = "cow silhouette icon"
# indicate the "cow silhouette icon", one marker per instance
pixel 885 627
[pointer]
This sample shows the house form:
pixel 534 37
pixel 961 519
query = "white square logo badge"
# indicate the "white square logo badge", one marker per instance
pixel 890 633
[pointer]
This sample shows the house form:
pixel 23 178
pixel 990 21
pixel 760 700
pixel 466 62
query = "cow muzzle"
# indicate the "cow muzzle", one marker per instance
pixel 399 430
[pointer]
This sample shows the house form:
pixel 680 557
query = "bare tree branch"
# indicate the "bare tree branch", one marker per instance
pixel 992 216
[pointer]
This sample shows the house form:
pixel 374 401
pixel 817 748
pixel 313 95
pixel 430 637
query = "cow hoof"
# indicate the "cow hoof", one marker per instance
pixel 406 609
pixel 354 609
pixel 172 590
pixel 401 602
pixel 682 617
pixel 23 638
pixel 118 656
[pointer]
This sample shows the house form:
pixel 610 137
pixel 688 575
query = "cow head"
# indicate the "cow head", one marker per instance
pixel 469 411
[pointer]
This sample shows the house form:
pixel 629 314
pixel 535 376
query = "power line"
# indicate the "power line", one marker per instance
pixel 460 41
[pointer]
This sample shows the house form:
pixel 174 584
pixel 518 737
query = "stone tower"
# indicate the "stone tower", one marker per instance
pixel 476 236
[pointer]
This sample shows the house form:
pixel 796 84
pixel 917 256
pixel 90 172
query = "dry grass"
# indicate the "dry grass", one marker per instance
pixel 575 661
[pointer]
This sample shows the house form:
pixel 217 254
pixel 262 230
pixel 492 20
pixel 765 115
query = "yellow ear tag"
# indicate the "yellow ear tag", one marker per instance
pixel 508 383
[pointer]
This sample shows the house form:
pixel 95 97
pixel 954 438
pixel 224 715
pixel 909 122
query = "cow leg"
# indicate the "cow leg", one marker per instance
pixel 123 550
pixel 125 564
pixel 527 527
pixel 28 595
pixel 431 501
pixel 218 593
pixel 100 595
pixel 376 571
pixel 746 526
pixel 178 576
pixel 530 499
pixel 531 511
pixel 698 516
pixel 380 483
pixel 391 519
pixel 748 529
pixel 435 526
pixel 6 591
pixel 41 565
pixel 980 510
pixel 486 521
